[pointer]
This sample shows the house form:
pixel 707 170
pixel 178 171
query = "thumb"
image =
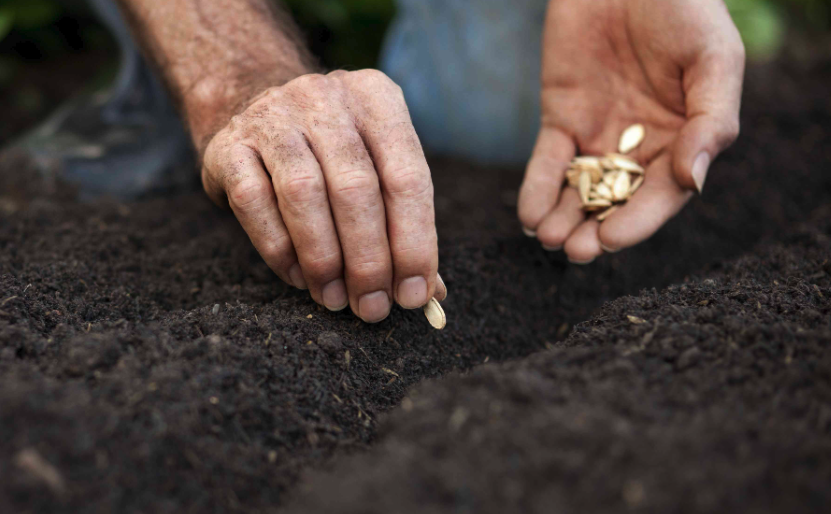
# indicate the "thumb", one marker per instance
pixel 713 100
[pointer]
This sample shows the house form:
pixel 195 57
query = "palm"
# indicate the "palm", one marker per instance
pixel 595 85
pixel 609 64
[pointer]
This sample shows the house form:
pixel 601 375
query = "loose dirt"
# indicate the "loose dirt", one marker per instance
pixel 712 396
pixel 149 361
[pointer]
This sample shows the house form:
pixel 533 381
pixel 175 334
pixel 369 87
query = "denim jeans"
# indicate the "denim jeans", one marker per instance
pixel 470 70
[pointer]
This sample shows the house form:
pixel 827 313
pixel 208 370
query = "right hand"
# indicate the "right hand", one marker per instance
pixel 327 176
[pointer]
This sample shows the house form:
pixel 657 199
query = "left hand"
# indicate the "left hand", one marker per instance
pixel 676 66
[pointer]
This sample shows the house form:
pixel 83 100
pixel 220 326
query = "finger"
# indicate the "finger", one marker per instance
pixel 544 177
pixel 407 187
pixel 713 87
pixel 658 199
pixel 583 245
pixel 251 196
pixel 304 204
pixel 358 208
pixel 441 289
pixel 562 221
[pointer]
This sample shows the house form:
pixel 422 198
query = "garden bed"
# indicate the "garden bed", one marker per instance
pixel 149 361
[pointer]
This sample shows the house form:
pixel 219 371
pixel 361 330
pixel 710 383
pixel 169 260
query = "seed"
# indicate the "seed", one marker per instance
pixel 605 214
pixel 604 191
pixel 435 314
pixel 631 138
pixel 609 179
pixel 626 164
pixel 573 177
pixel 586 161
pixel 621 187
pixel 585 186
pixel 596 205
pixel 607 164
pixel 636 185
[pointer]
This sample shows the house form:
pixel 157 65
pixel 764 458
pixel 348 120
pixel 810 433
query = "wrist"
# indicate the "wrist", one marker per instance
pixel 211 102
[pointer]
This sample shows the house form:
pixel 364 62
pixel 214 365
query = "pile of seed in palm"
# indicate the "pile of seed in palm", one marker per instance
pixel 606 182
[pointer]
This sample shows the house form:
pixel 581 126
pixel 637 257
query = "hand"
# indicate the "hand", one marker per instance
pixel 677 66
pixel 327 176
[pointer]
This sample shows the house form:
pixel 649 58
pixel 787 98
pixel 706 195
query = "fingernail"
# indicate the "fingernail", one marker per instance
pixel 581 263
pixel 441 296
pixel 699 170
pixel 552 248
pixel 528 232
pixel 609 250
pixel 334 295
pixel 374 307
pixel 296 276
pixel 412 293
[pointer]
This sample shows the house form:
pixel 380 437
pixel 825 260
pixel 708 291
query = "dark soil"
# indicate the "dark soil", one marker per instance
pixel 149 361
pixel 713 396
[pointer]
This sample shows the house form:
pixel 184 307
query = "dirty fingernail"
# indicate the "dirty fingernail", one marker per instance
pixel 441 290
pixel 528 232
pixel 334 295
pixel 412 293
pixel 552 248
pixel 699 170
pixel 374 307
pixel 296 276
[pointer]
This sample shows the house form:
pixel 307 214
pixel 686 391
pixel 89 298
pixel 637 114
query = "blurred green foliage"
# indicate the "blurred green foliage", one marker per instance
pixel 27 14
pixel 762 25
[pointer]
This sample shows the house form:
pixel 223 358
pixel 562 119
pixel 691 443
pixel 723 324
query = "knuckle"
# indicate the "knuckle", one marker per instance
pixel 410 181
pixel 277 252
pixel 313 86
pixel 370 270
pixel 249 191
pixel 323 266
pixel 359 183
pixel 303 189
pixel 377 79
pixel 418 255
pixel 370 75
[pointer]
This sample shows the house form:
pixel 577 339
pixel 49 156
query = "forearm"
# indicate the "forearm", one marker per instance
pixel 216 55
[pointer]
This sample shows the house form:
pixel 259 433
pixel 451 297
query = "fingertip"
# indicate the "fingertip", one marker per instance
pixel 556 228
pixel 412 293
pixel 699 170
pixel 296 276
pixel 544 176
pixel 583 246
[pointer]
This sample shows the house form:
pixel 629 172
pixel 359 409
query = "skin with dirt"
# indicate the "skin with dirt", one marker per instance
pixel 150 361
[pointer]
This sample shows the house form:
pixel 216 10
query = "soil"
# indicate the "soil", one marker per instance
pixel 149 361
pixel 712 396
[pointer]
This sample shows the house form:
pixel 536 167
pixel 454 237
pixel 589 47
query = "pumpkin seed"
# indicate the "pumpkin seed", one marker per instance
pixel 621 187
pixel 631 138
pixel 435 314
pixel 585 186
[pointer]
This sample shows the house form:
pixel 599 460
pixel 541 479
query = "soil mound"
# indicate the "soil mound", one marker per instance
pixel 149 361
pixel 712 396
